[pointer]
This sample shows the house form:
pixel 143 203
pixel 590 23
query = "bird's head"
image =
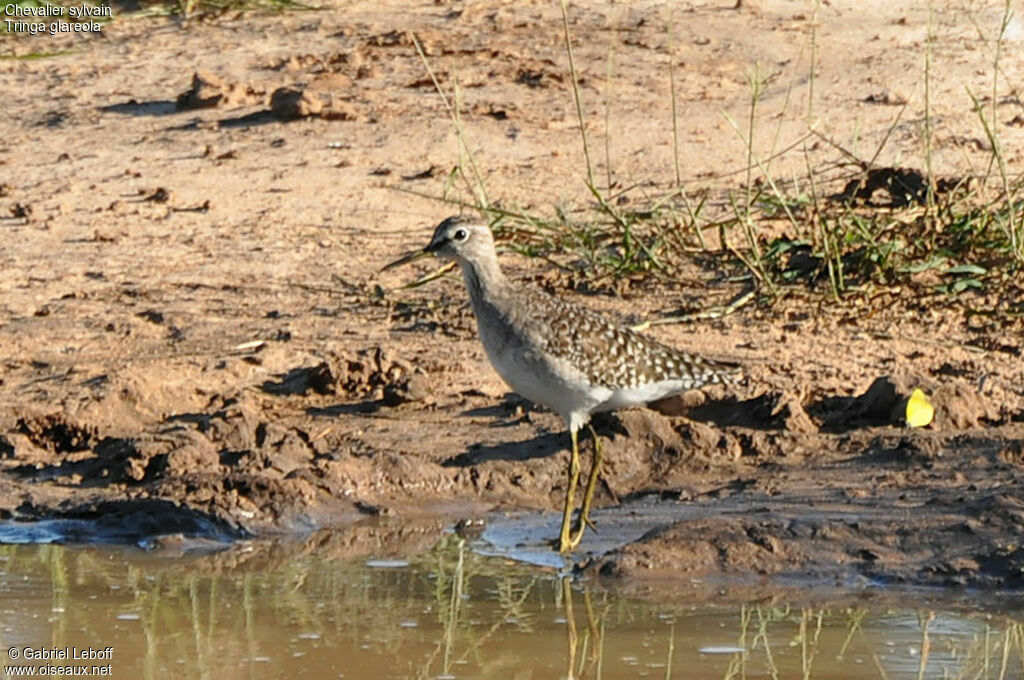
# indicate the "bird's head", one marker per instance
pixel 459 238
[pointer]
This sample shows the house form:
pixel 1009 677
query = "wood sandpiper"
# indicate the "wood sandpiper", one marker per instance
pixel 560 355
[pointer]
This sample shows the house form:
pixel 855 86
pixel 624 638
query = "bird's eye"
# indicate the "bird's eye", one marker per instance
pixel 460 235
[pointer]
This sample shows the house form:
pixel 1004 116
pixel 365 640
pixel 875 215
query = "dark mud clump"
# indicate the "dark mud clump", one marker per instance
pixel 944 541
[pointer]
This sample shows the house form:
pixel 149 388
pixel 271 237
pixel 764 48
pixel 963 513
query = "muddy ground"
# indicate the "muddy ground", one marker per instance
pixel 194 338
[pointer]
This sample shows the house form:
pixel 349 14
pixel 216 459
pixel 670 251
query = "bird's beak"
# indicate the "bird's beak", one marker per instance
pixel 406 259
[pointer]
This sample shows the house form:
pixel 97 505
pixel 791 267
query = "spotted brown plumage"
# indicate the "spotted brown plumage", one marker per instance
pixel 610 355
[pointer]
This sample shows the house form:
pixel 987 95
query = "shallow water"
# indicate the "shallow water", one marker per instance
pixel 326 607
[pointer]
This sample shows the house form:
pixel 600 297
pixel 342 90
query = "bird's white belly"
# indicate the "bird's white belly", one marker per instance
pixel 637 396
pixel 549 383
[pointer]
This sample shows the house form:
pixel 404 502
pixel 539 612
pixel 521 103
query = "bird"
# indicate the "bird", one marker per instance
pixel 562 355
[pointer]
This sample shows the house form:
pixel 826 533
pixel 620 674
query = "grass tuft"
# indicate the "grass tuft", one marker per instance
pixel 846 227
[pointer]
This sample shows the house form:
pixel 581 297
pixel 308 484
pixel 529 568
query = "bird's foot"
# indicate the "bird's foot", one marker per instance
pixel 566 544
pixel 581 527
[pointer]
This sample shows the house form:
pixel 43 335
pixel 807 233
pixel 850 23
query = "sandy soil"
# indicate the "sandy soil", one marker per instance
pixel 194 337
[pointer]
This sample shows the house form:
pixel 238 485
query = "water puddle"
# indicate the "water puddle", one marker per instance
pixel 528 536
pixel 352 605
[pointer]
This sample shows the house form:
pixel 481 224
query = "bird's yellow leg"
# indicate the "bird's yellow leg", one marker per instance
pixel 588 494
pixel 564 542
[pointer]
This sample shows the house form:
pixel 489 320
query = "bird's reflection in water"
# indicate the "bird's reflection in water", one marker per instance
pixel 584 650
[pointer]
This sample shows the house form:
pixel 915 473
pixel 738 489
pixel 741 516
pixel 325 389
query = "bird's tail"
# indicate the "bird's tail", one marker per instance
pixel 714 371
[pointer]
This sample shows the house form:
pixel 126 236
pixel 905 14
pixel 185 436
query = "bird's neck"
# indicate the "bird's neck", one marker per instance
pixel 484 280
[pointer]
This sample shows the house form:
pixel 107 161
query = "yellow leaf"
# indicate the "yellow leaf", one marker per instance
pixel 919 410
